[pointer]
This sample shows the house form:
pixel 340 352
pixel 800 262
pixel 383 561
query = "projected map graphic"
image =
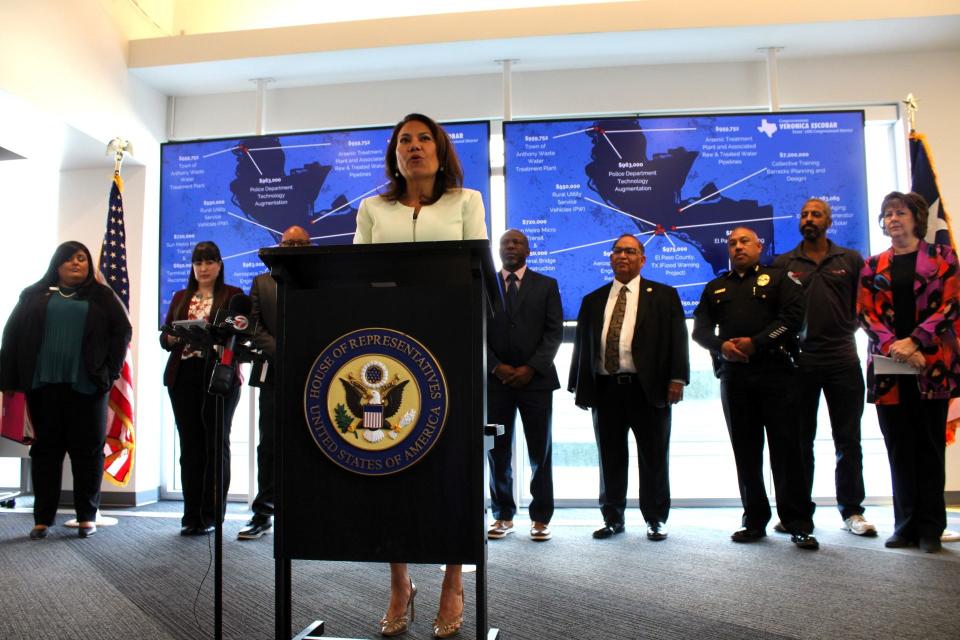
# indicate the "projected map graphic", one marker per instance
pixel 680 184
pixel 243 192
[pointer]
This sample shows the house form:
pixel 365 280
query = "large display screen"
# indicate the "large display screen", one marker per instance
pixel 243 192
pixel 680 184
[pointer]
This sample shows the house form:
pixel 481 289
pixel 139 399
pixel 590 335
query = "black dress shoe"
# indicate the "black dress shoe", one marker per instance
pixel 930 544
pixel 748 535
pixel 196 530
pixel 805 541
pixel 255 528
pixel 86 532
pixel 897 541
pixel 608 530
pixel 656 530
pixel 38 533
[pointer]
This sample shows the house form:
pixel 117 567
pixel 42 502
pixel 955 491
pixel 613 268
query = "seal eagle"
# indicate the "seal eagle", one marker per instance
pixel 361 399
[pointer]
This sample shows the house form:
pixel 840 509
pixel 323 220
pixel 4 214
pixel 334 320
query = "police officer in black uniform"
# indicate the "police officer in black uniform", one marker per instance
pixel 759 312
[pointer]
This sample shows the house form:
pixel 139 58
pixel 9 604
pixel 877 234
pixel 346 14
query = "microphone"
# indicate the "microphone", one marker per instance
pixel 236 321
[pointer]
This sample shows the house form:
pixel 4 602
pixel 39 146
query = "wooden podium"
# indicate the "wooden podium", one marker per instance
pixel 380 407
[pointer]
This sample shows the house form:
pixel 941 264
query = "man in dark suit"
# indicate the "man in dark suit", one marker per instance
pixel 263 294
pixel 522 339
pixel 630 364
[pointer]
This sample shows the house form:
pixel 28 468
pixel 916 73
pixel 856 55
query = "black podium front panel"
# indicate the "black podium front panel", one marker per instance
pixel 408 502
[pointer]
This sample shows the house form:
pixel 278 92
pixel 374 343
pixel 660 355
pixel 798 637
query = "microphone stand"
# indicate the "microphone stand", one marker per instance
pixel 202 337
pixel 218 525
pixel 218 501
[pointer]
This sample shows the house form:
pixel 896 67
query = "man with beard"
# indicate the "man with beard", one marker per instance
pixel 828 356
pixel 522 339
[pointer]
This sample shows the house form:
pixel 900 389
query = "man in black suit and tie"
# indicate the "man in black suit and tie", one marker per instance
pixel 263 295
pixel 630 364
pixel 522 339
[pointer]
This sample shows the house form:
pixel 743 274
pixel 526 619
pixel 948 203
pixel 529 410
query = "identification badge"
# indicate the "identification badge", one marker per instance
pixel 763 280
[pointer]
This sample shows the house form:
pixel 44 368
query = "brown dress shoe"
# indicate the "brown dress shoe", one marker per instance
pixel 500 529
pixel 540 532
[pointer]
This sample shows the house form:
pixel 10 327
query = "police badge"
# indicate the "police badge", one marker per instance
pixel 375 401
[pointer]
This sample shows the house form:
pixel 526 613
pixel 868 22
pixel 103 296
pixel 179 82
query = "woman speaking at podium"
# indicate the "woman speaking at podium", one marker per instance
pixel 186 378
pixel 425 202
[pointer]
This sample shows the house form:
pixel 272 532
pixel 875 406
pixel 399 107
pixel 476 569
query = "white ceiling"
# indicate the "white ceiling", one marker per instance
pixel 668 46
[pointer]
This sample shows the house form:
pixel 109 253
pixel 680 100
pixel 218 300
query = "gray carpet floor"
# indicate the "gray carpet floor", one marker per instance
pixel 140 580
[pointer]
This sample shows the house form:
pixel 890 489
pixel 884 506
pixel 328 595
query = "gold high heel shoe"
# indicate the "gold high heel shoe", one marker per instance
pixel 395 626
pixel 448 628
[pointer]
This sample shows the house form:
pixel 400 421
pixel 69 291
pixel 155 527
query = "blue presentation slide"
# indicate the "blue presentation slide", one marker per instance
pixel 680 184
pixel 243 192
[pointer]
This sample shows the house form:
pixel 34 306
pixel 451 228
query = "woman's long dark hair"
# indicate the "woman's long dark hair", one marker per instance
pixel 205 250
pixel 449 176
pixel 64 253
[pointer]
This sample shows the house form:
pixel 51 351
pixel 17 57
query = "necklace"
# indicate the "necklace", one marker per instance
pixel 66 295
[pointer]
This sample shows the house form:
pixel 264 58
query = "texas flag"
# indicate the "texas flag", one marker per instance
pixel 939 230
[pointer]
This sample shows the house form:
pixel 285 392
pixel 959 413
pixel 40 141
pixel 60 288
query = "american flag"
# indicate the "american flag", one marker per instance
pixel 119 446
pixel 923 180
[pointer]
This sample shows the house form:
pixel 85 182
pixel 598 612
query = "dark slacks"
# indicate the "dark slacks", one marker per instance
pixel 195 412
pixel 843 389
pixel 66 422
pixel 536 412
pixel 622 408
pixel 914 432
pixel 263 503
pixel 757 400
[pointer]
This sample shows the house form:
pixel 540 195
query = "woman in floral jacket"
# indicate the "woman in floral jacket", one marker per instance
pixel 908 306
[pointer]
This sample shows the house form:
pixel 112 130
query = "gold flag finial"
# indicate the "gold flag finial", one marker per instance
pixel 912 108
pixel 118 147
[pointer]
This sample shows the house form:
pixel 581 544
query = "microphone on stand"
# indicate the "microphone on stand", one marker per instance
pixel 235 322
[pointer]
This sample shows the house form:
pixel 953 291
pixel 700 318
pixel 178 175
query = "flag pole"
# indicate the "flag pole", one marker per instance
pixel 923 178
pixel 912 108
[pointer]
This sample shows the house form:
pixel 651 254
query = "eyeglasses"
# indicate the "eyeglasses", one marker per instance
pixel 630 251
pixel 295 243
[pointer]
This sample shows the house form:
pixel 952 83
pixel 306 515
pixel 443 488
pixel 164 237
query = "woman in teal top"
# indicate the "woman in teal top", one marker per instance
pixel 64 346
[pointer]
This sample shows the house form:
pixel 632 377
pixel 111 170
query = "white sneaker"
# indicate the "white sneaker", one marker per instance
pixel 858 526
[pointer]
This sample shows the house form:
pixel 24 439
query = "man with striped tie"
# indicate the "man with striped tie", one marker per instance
pixel 630 364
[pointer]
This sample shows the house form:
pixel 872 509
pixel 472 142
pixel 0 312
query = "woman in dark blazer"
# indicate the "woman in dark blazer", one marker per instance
pixel 186 377
pixel 907 305
pixel 64 346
